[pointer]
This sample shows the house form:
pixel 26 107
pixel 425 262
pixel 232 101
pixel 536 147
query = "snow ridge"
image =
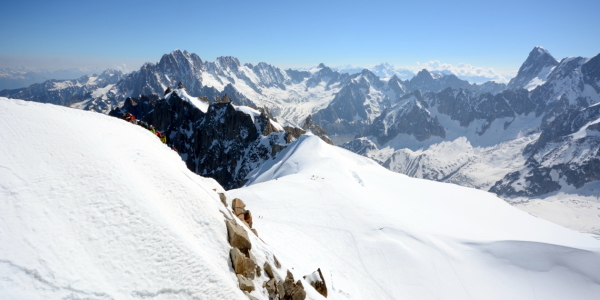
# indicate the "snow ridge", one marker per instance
pixel 375 233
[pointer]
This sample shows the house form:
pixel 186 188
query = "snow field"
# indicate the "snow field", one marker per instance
pixel 376 234
pixel 92 207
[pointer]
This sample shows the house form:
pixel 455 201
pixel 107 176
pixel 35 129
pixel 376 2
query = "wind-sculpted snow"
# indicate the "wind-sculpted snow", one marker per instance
pixel 92 207
pixel 376 234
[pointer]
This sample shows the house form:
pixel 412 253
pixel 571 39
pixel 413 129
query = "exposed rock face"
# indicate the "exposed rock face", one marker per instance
pixel 269 270
pixel 242 264
pixel 538 65
pixel 223 198
pixel 567 152
pixel 277 264
pixel 309 124
pixel 223 143
pixel 245 284
pixel 239 207
pixel 248 218
pixel 293 291
pixel 271 287
pixel 317 281
pixel 238 238
pixel 408 116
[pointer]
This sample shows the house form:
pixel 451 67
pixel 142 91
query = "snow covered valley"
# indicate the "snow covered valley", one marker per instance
pixel 92 207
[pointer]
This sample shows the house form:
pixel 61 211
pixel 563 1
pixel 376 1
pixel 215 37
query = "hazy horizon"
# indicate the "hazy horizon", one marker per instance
pixel 469 36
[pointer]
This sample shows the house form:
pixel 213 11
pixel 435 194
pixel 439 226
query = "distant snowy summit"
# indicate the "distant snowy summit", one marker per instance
pixel 535 70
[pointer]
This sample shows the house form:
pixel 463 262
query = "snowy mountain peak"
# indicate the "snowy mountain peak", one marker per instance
pixel 535 70
pixel 540 53
pixel 321 66
pixel 541 50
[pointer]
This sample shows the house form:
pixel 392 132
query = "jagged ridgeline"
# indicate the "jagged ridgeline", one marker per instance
pixel 220 140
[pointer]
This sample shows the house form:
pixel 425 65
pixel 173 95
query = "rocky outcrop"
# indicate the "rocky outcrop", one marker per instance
pixel 293 290
pixel 317 281
pixel 238 237
pixel 268 270
pixel 286 289
pixel 245 265
pixel 239 209
pixel 310 125
pixel 223 198
pixel 245 284
pixel 242 264
pixel 223 142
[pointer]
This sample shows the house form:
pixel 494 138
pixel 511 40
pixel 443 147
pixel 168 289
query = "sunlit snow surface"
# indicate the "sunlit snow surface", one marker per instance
pixel 376 234
pixel 92 207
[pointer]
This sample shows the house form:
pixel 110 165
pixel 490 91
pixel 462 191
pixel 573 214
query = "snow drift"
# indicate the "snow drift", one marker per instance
pixel 376 234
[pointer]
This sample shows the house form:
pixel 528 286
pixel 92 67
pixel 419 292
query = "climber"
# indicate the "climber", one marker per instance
pixel 128 117
pixel 152 129
pixel 144 124
pixel 162 137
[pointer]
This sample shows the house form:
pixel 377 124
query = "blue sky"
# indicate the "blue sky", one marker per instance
pixel 488 34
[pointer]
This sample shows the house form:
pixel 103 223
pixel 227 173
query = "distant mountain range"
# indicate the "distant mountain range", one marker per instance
pixel 533 138
pixel 537 139
pixel 291 95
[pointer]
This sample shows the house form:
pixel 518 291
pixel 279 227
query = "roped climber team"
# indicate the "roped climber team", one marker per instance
pixel 131 118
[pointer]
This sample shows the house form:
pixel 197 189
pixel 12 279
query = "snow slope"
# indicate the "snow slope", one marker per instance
pixel 92 207
pixel 376 234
